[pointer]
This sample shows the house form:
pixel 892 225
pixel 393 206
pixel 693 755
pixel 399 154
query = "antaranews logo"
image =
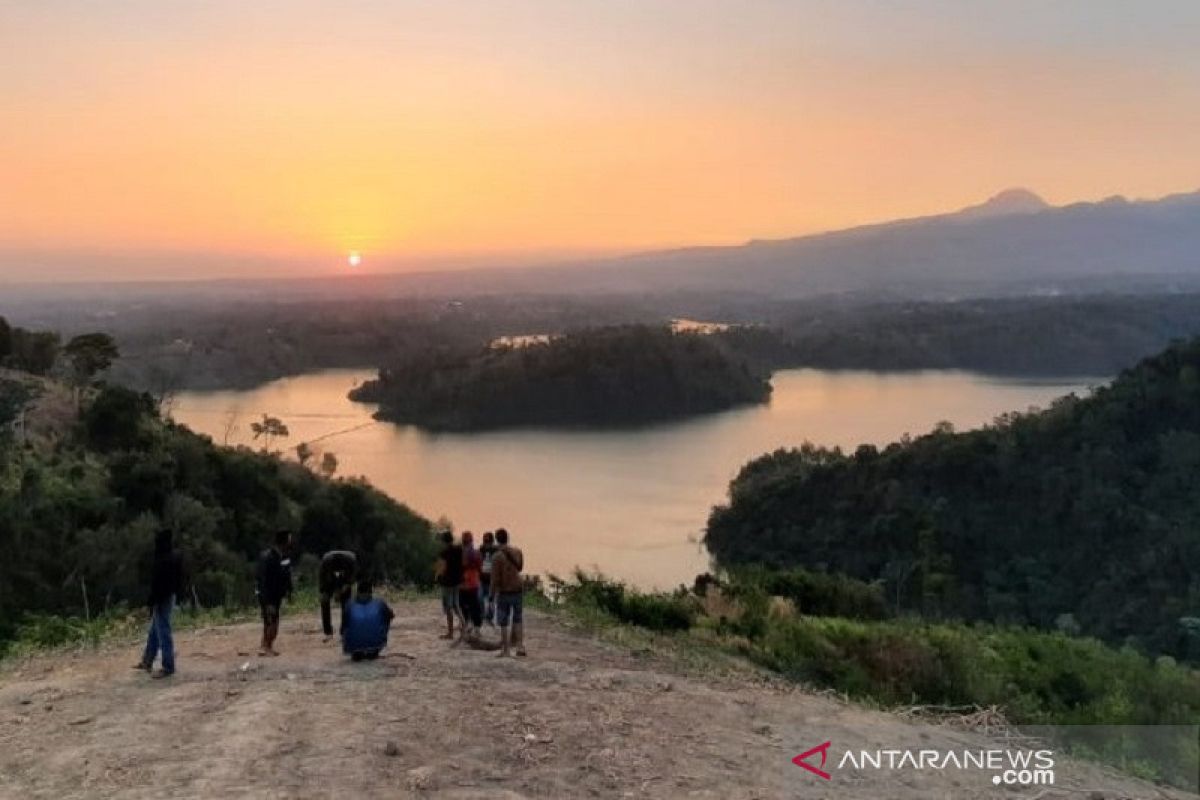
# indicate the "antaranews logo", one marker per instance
pixel 802 760
pixel 1008 767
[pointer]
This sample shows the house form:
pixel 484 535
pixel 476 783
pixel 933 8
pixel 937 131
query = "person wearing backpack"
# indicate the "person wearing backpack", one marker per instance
pixel 508 591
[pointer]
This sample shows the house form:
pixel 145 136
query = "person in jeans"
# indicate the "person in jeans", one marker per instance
pixel 487 552
pixel 166 582
pixel 335 580
pixel 273 583
pixel 449 573
pixel 365 624
pixel 508 589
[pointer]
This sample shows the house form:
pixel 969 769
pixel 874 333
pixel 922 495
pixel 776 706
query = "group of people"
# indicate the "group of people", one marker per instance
pixel 483 584
pixel 478 584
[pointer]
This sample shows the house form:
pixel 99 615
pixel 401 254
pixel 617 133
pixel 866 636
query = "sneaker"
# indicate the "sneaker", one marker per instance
pixel 162 673
pixel 142 665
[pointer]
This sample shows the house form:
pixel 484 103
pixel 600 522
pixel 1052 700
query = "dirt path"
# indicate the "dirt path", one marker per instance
pixel 579 718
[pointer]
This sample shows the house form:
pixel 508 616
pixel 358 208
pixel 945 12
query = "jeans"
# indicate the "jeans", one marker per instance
pixel 342 594
pixel 509 605
pixel 485 596
pixel 159 637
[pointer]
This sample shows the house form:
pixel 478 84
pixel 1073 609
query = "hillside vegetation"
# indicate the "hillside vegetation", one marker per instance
pixel 623 375
pixel 1082 518
pixel 78 510
pixel 833 632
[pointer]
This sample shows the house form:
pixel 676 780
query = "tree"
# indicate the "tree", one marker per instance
pixel 34 351
pixel 230 426
pixel 89 354
pixel 269 429
pixel 329 464
pixel 116 419
pixel 304 453
pixel 14 397
pixel 6 340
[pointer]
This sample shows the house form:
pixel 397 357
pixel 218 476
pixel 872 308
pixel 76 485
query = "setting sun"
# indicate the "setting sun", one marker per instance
pixel 354 259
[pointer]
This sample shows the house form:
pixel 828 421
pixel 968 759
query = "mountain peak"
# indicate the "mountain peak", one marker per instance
pixel 1009 201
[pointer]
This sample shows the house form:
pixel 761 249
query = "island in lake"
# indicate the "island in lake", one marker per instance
pixel 598 377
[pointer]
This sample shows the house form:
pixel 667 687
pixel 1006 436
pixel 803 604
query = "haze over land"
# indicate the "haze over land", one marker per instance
pixel 1013 243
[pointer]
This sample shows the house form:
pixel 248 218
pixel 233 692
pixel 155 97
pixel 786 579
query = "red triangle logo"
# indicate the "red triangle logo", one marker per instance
pixel 802 760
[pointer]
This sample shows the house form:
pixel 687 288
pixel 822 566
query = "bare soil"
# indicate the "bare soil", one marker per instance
pixel 580 717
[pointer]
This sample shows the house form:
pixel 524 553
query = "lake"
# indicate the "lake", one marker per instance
pixel 631 503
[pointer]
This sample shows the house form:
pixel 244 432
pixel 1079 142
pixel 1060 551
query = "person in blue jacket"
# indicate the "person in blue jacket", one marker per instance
pixel 366 620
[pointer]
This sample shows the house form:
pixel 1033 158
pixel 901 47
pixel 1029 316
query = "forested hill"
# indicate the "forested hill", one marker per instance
pixel 82 496
pixel 1084 517
pixel 619 375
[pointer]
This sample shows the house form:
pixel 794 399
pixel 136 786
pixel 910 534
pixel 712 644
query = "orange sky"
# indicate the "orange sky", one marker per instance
pixel 285 134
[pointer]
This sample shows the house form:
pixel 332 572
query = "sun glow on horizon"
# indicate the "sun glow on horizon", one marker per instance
pixel 497 133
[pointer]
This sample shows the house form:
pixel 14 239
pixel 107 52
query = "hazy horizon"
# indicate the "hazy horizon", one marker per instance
pixel 84 268
pixel 146 141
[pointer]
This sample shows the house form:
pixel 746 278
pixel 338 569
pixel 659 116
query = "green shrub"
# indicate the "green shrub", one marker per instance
pixel 814 593
pixel 657 612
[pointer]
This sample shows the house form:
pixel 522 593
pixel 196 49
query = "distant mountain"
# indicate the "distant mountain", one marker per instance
pixel 1013 241
pixel 1010 201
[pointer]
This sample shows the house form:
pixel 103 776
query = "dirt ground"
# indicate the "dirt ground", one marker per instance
pixel 579 718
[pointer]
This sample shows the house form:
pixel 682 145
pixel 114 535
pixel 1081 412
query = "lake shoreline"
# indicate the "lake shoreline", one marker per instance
pixel 629 503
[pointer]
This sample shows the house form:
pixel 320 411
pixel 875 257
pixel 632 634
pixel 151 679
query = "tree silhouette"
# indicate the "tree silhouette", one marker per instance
pixel 88 355
pixel 269 429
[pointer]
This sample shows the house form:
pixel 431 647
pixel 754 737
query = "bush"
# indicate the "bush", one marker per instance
pixel 814 593
pixel 657 612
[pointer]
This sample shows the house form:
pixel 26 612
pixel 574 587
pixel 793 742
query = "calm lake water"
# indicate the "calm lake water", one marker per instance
pixel 632 504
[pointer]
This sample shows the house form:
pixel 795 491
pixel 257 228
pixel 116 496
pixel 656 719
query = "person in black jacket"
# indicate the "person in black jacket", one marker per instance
pixel 166 583
pixel 335 579
pixel 273 584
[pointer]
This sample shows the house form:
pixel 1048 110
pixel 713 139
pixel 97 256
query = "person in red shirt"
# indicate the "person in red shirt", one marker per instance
pixel 468 590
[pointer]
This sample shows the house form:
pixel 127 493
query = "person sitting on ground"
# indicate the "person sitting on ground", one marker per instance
pixel 335 581
pixel 273 584
pixel 508 588
pixel 487 552
pixel 468 590
pixel 166 583
pixel 449 571
pixel 365 623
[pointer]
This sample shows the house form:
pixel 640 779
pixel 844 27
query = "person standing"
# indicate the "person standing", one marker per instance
pixel 449 573
pixel 508 588
pixel 365 624
pixel 335 580
pixel 468 590
pixel 274 583
pixel 487 552
pixel 166 583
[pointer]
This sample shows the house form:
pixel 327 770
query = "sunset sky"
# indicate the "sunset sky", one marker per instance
pixel 147 138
